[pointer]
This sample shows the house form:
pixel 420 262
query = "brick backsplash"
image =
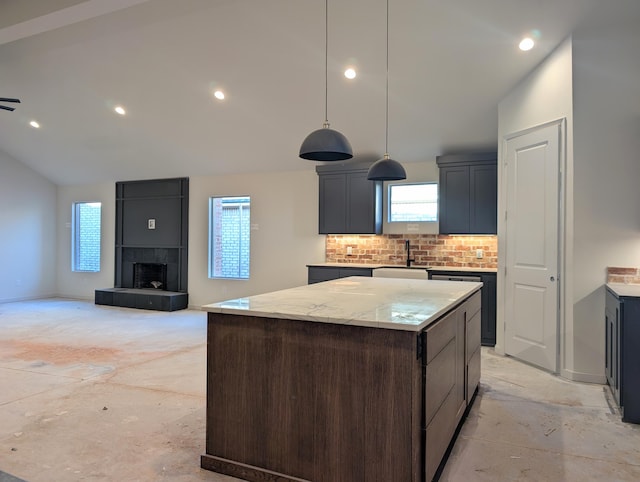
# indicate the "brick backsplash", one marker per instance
pixel 623 275
pixel 426 249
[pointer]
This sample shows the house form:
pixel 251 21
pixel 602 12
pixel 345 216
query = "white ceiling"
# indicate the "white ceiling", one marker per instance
pixel 71 61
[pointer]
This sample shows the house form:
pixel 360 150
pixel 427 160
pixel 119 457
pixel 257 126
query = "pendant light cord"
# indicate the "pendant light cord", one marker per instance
pixel 326 62
pixel 386 138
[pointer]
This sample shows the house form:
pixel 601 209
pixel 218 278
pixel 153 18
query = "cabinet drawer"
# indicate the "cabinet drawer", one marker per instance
pixel 473 374
pixel 473 304
pixel 439 335
pixel 439 433
pixel 440 379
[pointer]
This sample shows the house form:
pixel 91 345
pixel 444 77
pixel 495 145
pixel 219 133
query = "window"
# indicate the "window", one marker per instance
pixel 85 237
pixel 229 237
pixel 413 202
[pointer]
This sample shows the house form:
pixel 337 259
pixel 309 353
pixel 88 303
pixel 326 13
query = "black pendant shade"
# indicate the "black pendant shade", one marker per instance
pixel 326 145
pixel 386 169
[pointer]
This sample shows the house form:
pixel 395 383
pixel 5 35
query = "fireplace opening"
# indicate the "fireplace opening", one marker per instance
pixel 150 275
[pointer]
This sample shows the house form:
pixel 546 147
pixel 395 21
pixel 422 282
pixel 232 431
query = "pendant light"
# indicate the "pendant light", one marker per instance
pixel 386 169
pixel 326 144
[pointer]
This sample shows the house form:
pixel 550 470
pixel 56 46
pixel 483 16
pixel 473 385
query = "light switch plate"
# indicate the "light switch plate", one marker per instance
pixel 151 223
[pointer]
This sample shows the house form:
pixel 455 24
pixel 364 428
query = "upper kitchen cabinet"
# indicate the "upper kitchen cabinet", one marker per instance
pixel 468 201
pixel 349 203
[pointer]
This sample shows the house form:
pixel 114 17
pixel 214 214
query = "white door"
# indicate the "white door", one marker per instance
pixel 531 279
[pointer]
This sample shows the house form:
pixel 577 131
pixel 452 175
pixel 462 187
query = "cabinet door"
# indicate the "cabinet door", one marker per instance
pixel 454 207
pixel 489 300
pixel 333 202
pixel 361 204
pixel 612 337
pixel 317 274
pixel 483 184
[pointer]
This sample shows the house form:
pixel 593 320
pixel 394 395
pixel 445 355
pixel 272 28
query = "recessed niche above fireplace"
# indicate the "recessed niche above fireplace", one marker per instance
pixel 151 245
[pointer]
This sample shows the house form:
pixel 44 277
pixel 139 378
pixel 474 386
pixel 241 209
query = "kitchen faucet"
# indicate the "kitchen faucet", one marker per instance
pixel 407 247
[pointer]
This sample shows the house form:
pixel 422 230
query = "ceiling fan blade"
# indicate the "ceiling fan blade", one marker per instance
pixel 7 99
pixel 10 109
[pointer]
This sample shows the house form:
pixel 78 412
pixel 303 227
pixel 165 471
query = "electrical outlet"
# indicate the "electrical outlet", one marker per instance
pixel 479 254
pixel 349 250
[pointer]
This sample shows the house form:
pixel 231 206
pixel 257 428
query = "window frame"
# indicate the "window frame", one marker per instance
pixel 77 264
pixel 244 222
pixel 390 202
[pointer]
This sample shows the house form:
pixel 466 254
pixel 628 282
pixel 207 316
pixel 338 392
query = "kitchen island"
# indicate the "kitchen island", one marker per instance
pixel 356 379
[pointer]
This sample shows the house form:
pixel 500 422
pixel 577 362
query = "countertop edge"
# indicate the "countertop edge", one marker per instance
pixel 624 290
pixel 473 288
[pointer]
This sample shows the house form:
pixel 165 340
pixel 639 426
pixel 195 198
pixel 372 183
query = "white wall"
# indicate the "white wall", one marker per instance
pixel 606 167
pixel 284 235
pixel 27 220
pixel 81 285
pixel 544 96
pixel 284 238
pixel 603 168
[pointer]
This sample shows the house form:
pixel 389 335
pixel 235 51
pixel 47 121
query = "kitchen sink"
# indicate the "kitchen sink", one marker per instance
pixel 413 272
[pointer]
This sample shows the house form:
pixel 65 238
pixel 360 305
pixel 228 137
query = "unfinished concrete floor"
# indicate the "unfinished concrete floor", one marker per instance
pixel 96 393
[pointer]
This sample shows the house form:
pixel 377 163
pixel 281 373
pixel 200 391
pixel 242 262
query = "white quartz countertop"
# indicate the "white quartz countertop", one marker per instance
pixel 392 303
pixel 622 289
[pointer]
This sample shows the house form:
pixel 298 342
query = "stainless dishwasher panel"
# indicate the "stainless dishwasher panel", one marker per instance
pixel 446 277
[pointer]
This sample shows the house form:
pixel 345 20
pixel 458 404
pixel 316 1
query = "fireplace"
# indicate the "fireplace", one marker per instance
pixel 150 275
pixel 152 239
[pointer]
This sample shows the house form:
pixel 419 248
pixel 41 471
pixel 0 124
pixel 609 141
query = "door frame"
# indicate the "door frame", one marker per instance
pixel 562 240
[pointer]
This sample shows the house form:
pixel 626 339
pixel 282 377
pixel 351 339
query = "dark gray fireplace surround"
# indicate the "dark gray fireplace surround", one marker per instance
pixel 151 246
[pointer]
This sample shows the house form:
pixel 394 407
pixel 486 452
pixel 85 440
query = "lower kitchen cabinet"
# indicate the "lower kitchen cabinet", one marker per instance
pixel 296 400
pixel 316 274
pixel 452 373
pixel 622 357
pixel 489 300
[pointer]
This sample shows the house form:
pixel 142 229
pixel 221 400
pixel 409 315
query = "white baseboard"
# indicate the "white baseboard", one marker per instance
pixel 583 377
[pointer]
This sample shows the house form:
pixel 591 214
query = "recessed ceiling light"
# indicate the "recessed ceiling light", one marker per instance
pixel 526 43
pixel 120 110
pixel 34 124
pixel 218 94
pixel 350 73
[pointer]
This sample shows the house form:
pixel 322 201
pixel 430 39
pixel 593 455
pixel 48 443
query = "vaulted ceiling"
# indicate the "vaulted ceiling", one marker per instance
pixel 72 61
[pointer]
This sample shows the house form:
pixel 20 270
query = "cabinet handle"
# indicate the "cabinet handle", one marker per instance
pixel 552 278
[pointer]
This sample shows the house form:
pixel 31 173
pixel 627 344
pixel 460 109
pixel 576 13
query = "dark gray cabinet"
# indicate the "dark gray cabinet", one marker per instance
pixel 348 202
pixel 468 202
pixel 622 357
pixel 317 274
pixel 489 300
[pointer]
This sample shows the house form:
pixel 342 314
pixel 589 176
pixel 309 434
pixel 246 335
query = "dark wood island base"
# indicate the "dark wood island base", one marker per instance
pixel 292 400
